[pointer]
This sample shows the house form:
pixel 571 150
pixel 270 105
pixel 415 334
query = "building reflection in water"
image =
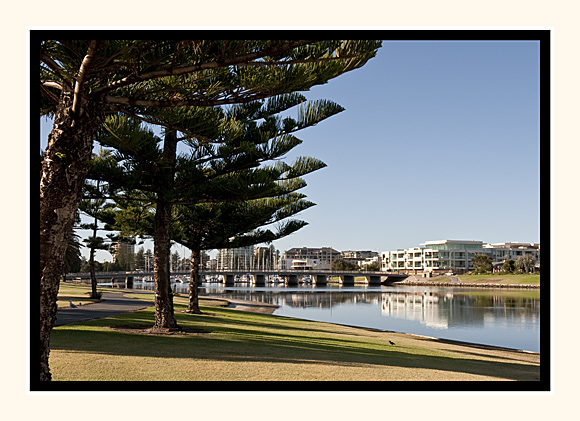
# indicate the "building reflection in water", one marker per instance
pixel 434 308
pixel 509 318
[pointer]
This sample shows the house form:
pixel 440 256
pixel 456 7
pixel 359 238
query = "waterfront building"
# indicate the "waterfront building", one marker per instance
pixel 358 254
pixel 124 254
pixel 321 257
pixel 505 251
pixel 235 258
pixel 361 258
pixel 444 256
pixel 306 264
pixel 264 258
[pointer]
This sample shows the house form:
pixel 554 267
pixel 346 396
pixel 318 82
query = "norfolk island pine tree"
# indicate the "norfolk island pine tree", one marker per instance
pixel 83 80
pixel 216 171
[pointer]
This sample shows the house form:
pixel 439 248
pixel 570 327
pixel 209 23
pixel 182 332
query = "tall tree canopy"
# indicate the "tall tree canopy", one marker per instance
pixel 82 81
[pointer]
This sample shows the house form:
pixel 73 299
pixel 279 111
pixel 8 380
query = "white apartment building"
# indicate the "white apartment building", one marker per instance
pixel 452 256
pixel 302 264
pixel 361 258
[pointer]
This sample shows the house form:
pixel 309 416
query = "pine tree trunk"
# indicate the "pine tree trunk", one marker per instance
pixel 93 275
pixel 193 306
pixel 92 257
pixel 164 314
pixel 64 168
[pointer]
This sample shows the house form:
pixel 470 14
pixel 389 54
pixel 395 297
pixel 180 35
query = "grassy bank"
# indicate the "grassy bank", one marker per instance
pixel 527 279
pixel 530 279
pixel 77 293
pixel 236 345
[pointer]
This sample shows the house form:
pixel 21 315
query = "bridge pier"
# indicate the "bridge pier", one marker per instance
pixel 321 280
pixel 129 282
pixel 292 280
pixel 259 280
pixel 229 279
pixel 373 279
pixel 347 280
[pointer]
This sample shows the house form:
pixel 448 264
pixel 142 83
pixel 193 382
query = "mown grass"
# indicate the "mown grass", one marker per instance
pixel 492 279
pixel 241 346
pixel 78 294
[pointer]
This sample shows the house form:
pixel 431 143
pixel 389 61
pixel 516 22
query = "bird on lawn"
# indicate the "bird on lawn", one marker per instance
pixel 391 342
pixel 71 304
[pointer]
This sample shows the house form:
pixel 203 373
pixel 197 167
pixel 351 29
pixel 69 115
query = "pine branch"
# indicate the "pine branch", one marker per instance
pixel 204 102
pixel 181 70
pixel 79 84
pixel 51 84
pixel 51 64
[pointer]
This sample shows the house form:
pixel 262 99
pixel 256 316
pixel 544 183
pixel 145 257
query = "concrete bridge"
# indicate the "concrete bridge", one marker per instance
pixel 259 277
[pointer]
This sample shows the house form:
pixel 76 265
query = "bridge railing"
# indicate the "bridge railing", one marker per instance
pixel 328 272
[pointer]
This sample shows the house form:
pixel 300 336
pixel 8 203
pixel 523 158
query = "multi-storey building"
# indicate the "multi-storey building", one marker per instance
pixel 360 257
pixel 301 264
pixel 504 251
pixel 358 254
pixel 124 254
pixel 235 258
pixel 320 258
pixel 264 258
pixel 453 256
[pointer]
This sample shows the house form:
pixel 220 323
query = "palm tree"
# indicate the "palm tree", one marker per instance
pixel 72 261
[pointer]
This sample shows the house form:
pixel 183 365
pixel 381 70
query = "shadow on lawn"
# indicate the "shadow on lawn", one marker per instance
pixel 270 342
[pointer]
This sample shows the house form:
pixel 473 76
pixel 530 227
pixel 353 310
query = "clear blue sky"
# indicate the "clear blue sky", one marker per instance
pixel 439 140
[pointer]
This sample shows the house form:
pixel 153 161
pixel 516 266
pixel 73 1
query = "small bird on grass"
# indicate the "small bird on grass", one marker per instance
pixel 71 304
pixel 391 342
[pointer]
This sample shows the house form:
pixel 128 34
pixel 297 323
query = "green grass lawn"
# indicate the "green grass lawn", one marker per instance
pixel 77 293
pixel 502 279
pixel 244 346
pixel 491 279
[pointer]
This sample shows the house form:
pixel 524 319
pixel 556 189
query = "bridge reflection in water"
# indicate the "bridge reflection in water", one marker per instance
pixel 508 318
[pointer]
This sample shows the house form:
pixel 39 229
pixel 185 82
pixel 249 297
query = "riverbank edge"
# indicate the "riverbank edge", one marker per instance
pixel 455 282
pixel 263 308
pixel 467 284
pixel 269 309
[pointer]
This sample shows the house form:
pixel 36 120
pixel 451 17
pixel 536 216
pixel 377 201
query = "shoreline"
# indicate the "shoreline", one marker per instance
pixel 269 309
pixel 466 284
pixel 264 308
pixel 456 282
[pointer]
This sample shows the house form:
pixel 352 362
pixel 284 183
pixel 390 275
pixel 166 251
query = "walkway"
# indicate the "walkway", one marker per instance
pixel 113 303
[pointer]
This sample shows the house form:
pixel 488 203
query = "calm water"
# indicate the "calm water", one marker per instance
pixel 506 318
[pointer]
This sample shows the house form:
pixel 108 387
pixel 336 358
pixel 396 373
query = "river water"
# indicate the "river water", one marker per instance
pixel 507 318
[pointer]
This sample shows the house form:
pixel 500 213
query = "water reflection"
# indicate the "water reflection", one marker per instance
pixel 508 318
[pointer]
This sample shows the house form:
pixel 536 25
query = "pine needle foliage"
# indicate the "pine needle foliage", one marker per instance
pixel 81 82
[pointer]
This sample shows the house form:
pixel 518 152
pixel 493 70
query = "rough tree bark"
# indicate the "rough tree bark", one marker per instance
pixel 92 267
pixel 92 257
pixel 64 169
pixel 193 305
pixel 164 314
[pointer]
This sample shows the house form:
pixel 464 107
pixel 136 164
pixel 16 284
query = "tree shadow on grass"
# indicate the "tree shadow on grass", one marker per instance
pixel 235 340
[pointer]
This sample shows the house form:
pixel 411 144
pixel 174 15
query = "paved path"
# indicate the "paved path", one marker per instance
pixel 113 303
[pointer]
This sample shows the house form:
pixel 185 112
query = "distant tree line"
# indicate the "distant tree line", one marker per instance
pixel 342 264
pixel 483 264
